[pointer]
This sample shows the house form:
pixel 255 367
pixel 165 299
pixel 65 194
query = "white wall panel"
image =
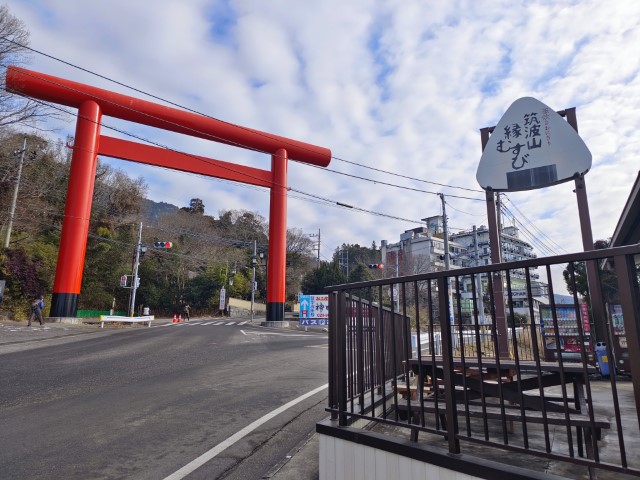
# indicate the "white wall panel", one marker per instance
pixel 343 460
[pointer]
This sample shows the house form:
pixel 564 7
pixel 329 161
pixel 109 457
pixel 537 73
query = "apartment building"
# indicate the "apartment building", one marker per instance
pixel 421 250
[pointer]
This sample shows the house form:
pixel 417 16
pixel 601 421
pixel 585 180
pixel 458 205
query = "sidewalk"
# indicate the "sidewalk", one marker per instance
pixel 303 463
pixel 18 332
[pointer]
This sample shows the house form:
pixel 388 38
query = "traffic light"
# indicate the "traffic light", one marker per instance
pixel 376 265
pixel 162 244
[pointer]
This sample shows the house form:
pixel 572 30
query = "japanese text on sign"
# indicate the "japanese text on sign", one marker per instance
pixel 521 137
pixel 314 306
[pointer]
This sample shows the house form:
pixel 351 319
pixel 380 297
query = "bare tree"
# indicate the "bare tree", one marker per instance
pixel 14 50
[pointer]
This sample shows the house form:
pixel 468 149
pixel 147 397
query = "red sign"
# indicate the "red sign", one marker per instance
pixel 584 309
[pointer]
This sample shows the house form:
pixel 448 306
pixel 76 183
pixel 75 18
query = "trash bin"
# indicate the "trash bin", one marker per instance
pixel 603 360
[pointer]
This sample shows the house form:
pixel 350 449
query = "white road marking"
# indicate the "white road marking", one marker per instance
pixel 218 323
pixel 242 323
pixel 215 451
pixel 208 323
pixel 251 332
pixel 195 323
pixel 231 323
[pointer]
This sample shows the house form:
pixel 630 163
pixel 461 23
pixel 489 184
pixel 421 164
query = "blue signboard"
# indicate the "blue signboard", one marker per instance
pixel 314 309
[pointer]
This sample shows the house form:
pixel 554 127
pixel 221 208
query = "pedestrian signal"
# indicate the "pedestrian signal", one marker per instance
pixel 123 281
pixel 162 244
pixel 376 265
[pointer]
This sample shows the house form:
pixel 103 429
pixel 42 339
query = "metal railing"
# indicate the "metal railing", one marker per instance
pixel 411 354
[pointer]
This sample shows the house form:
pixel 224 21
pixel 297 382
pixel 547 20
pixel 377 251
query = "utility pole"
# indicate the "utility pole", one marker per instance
pixel 253 276
pixel 342 253
pixel 393 287
pixel 313 235
pixel 7 235
pixel 134 276
pixel 447 262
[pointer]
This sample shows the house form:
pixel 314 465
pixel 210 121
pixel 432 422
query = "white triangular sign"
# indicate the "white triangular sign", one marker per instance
pixel 531 147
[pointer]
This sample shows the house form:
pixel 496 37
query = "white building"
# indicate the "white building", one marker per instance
pixel 421 250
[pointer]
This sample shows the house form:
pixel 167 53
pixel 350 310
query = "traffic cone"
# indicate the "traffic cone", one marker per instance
pixel 174 318
pixel 179 318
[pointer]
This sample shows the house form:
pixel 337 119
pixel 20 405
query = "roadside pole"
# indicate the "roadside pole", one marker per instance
pixel 253 277
pixel 447 261
pixel 134 276
pixel 12 211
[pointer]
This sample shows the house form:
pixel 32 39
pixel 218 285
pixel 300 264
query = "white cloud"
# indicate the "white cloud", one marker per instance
pixel 401 85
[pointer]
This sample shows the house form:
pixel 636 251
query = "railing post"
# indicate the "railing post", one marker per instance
pixel 333 321
pixel 628 291
pixel 341 358
pixel 447 362
pixel 360 353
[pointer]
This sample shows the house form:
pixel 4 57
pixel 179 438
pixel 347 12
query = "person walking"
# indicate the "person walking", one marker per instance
pixel 36 310
pixel 186 310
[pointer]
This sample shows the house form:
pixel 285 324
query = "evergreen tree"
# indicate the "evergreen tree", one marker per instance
pixel 325 275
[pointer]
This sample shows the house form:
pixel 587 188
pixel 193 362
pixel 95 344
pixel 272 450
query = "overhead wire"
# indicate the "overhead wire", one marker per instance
pixel 545 248
pixel 317 197
pixel 175 104
pixel 530 222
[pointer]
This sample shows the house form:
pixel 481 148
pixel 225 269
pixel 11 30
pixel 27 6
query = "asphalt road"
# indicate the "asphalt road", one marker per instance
pixel 144 403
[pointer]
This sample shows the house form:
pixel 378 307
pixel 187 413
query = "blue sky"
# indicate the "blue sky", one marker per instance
pixel 398 85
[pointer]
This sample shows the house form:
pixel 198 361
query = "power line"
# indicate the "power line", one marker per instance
pixel 169 102
pixel 466 213
pixel 393 184
pixel 317 197
pixel 534 239
pixel 540 232
pixel 406 176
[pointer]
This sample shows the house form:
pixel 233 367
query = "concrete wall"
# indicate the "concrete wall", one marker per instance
pixel 236 303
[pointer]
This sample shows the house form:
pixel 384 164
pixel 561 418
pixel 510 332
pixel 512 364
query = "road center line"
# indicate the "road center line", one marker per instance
pixel 215 451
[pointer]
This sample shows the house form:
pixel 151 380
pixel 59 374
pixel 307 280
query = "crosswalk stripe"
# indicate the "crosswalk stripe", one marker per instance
pixel 218 323
pixel 242 323
pixel 231 323
pixel 195 323
pixel 208 323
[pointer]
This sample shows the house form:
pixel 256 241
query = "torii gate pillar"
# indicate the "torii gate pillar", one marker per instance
pixel 276 271
pixel 77 211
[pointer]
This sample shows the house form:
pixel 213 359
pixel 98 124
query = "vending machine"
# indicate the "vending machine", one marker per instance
pixel 619 338
pixel 567 322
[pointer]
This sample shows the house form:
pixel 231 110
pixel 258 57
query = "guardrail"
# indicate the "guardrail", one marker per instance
pixel 469 379
pixel 117 318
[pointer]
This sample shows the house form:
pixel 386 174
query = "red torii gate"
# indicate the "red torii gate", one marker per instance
pixel 92 103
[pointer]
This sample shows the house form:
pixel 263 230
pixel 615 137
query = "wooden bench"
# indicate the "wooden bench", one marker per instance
pixel 427 390
pixel 580 421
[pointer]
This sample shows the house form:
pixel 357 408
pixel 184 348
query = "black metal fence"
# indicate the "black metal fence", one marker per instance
pixel 472 357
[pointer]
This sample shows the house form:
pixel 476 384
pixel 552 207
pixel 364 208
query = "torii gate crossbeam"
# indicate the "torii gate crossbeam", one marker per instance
pixel 92 103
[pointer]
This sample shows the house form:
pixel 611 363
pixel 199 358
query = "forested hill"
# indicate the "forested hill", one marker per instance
pixel 206 250
pixel 153 210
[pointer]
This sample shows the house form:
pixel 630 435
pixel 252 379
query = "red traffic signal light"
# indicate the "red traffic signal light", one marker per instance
pixel 162 244
pixel 376 265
